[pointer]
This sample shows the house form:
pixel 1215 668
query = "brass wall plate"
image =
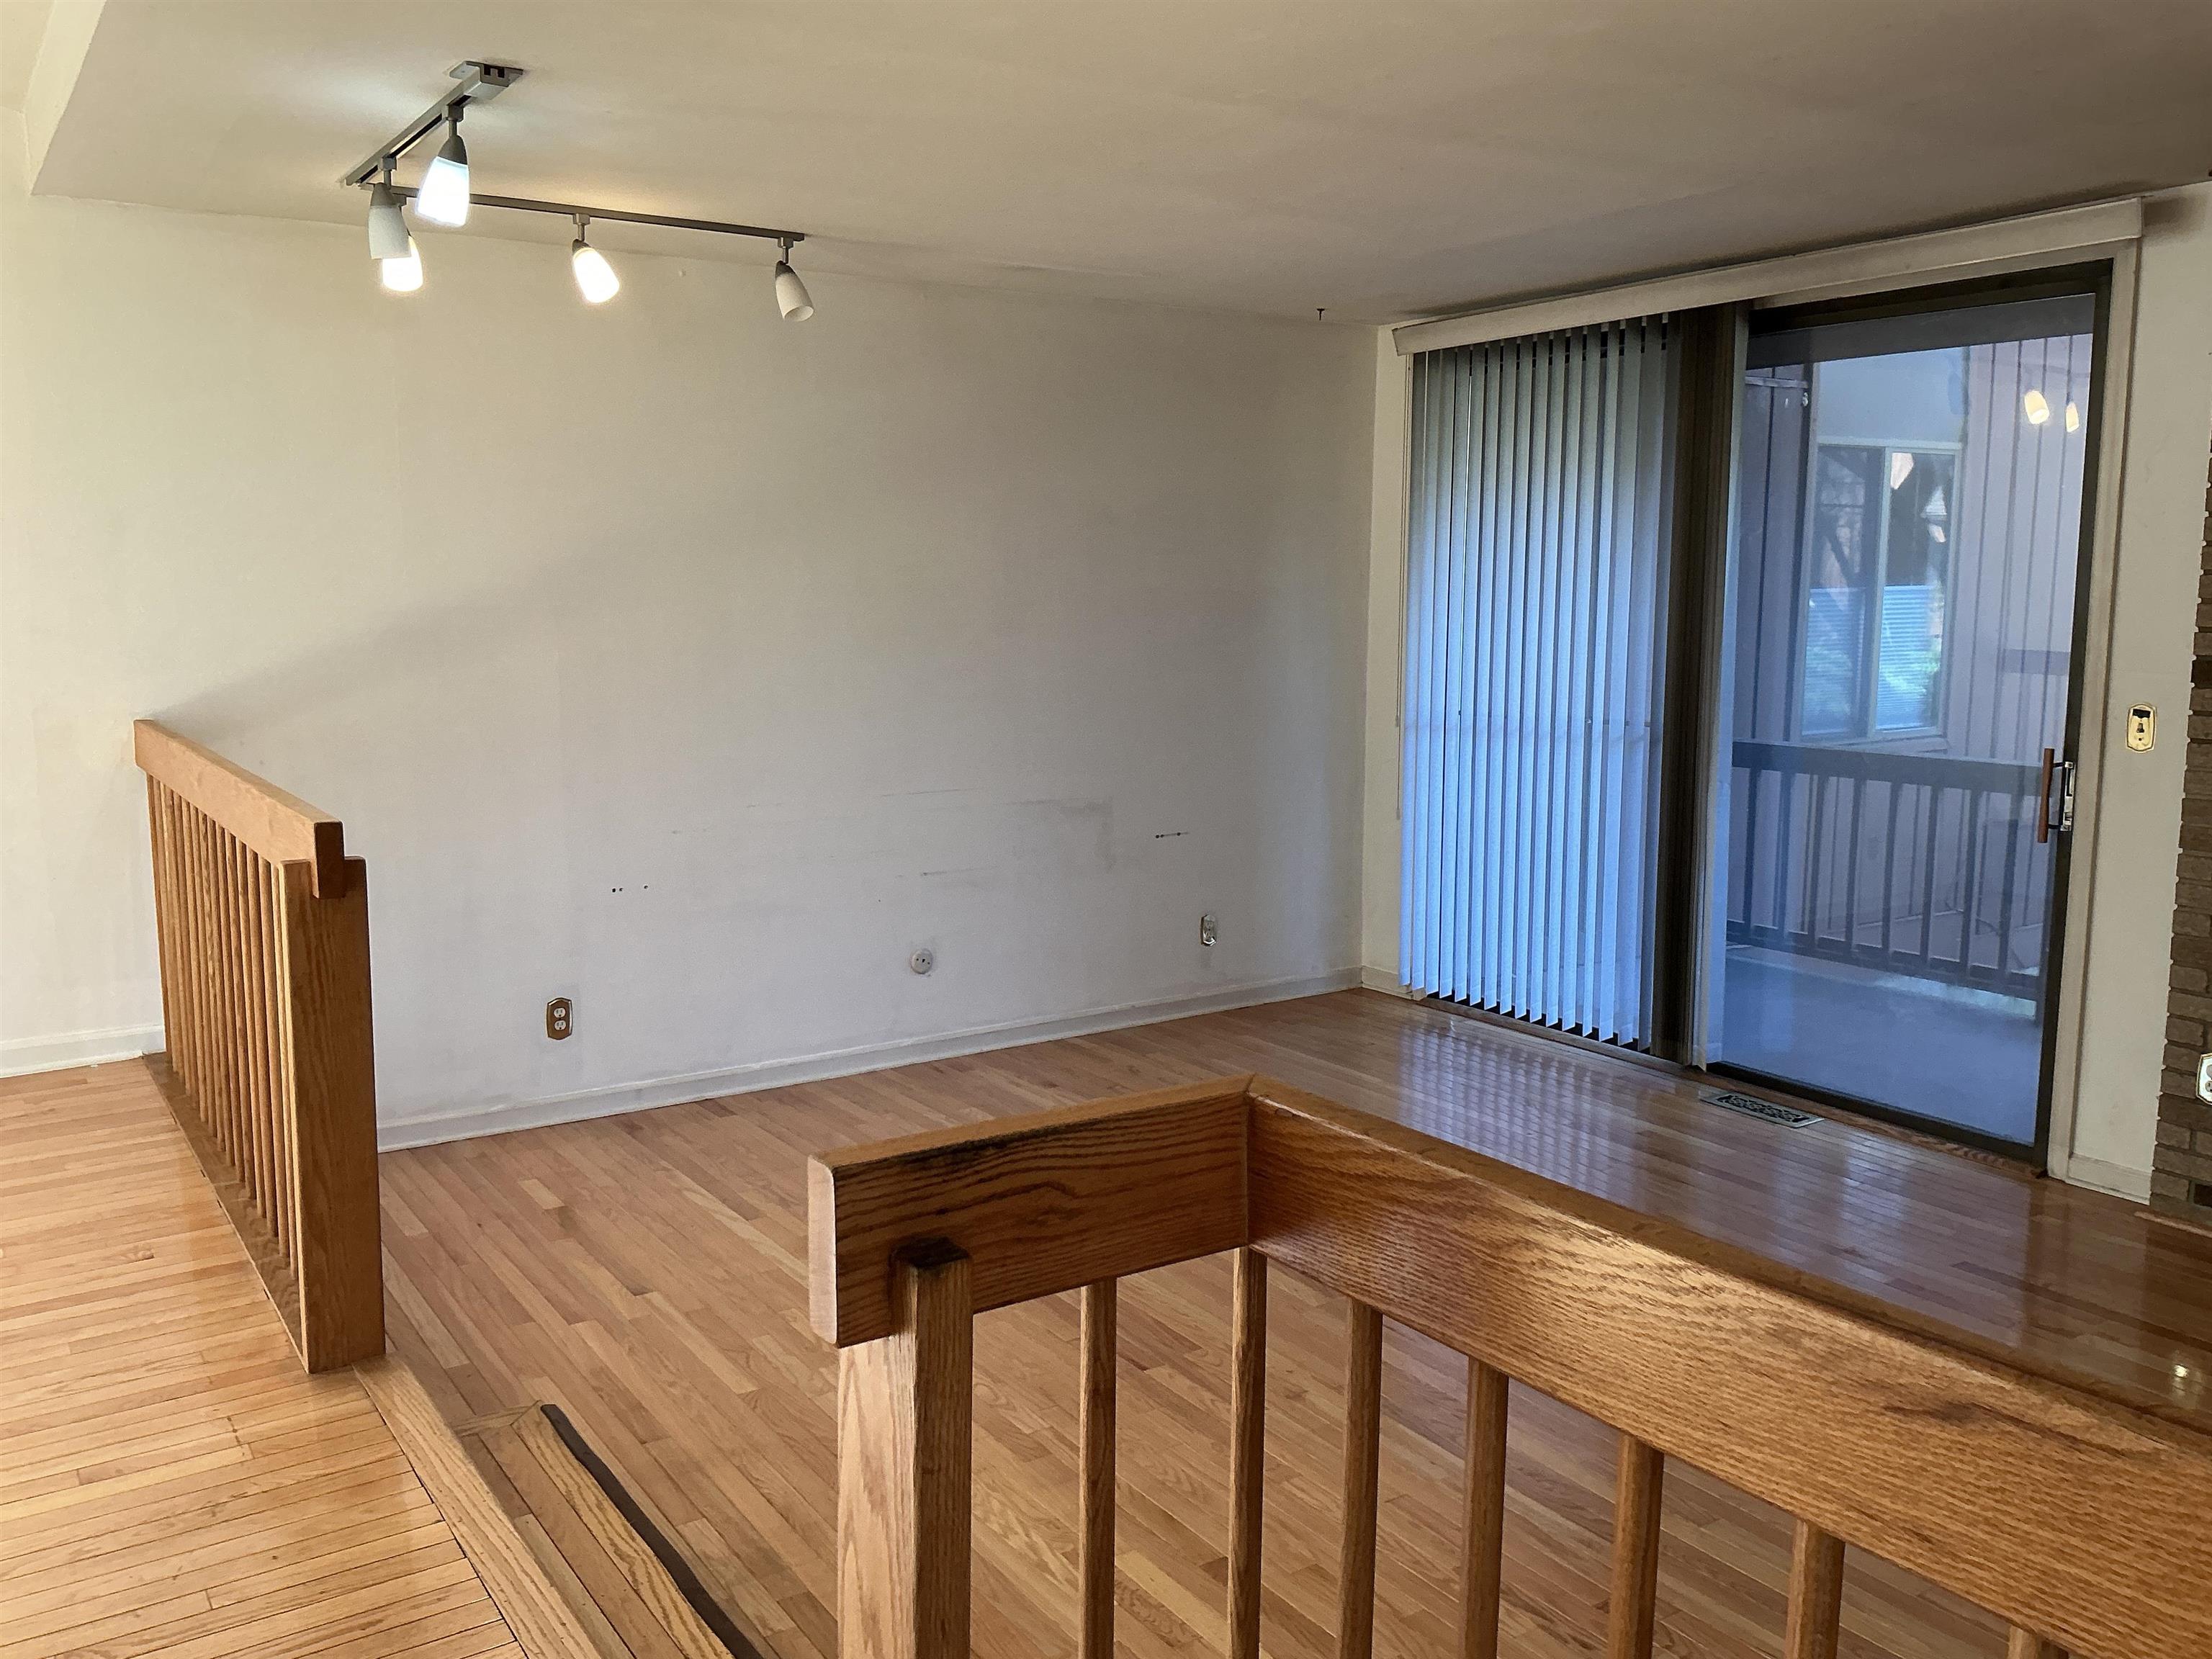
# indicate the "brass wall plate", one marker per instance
pixel 2143 727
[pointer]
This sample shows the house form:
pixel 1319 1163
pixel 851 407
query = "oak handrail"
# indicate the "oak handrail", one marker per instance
pixel 274 822
pixel 263 928
pixel 2048 1501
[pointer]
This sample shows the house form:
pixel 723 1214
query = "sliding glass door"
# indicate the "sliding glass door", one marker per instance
pixel 1765 769
pixel 1901 623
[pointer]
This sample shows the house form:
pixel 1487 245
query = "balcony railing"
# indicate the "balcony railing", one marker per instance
pixel 1922 864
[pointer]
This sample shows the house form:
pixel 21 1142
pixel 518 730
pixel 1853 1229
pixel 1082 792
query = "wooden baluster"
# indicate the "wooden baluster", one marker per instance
pixel 1248 1450
pixel 257 1033
pixel 2026 1644
pixel 1484 1537
pixel 1816 1595
pixel 1632 1617
pixel 188 855
pixel 1363 1468
pixel 176 1003
pixel 323 963
pixel 213 1108
pixel 233 962
pixel 1095 1432
pixel 284 1220
pixel 165 926
pixel 225 947
pixel 905 1428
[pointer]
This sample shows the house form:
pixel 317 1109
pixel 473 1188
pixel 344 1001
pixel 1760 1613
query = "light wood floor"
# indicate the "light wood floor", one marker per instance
pixel 648 1272
pixel 171 1482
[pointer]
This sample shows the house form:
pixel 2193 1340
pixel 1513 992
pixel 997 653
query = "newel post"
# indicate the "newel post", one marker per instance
pixel 905 1432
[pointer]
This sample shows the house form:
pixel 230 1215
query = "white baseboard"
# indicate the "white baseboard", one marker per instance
pixel 1386 980
pixel 617 1098
pixel 2116 1179
pixel 19 1056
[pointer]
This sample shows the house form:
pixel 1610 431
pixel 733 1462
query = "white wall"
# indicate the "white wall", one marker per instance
pixel 693 663
pixel 2129 892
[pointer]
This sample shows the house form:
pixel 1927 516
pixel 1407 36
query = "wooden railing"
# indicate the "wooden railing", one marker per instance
pixel 2075 1517
pixel 264 932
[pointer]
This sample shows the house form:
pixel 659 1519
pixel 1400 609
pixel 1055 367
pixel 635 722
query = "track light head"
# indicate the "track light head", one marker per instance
pixel 595 278
pixel 387 226
pixel 792 298
pixel 443 195
pixel 403 273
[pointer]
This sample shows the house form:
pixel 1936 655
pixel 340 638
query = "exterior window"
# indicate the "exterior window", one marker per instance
pixel 1880 544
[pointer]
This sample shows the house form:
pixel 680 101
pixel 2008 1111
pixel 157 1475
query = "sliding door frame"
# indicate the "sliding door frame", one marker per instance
pixel 1706 532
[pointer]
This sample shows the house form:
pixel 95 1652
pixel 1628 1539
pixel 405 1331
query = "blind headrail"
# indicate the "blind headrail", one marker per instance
pixel 1930 256
pixel 274 822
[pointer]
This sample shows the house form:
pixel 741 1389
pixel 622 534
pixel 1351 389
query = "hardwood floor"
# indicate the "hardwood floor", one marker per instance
pixel 648 1273
pixel 171 1481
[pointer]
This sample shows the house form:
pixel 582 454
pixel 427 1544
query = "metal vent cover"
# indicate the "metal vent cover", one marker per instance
pixel 1751 1106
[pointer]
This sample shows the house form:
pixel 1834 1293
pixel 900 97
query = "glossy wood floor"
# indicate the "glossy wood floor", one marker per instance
pixel 171 1482
pixel 648 1272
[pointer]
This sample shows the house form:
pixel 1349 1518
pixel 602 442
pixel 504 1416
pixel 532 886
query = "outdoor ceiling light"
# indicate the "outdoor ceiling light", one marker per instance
pixel 595 278
pixel 445 196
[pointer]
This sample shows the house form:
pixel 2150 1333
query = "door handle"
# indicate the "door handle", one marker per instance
pixel 2061 773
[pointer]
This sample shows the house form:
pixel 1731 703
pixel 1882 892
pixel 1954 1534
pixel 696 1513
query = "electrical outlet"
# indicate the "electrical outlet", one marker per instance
pixel 1206 932
pixel 2204 1078
pixel 558 1020
pixel 922 960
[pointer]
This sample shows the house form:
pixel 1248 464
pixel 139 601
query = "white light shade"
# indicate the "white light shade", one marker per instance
pixel 595 278
pixel 443 195
pixel 387 228
pixel 2073 418
pixel 2037 408
pixel 791 296
pixel 403 275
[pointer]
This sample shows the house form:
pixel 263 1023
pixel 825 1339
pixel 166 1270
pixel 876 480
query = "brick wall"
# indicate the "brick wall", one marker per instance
pixel 2181 1166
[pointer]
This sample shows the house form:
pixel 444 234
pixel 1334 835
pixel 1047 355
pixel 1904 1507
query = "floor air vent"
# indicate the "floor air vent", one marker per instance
pixel 1751 1106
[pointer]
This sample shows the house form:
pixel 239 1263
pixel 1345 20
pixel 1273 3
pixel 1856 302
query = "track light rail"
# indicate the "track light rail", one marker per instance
pixel 571 209
pixel 479 83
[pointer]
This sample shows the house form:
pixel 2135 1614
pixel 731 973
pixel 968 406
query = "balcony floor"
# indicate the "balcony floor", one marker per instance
pixel 648 1272
pixel 1962 1057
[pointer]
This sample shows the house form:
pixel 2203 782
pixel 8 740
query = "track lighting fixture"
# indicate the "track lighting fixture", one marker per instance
pixel 595 278
pixel 792 298
pixel 445 196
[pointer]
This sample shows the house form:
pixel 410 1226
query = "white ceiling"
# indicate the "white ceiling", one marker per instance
pixel 1377 158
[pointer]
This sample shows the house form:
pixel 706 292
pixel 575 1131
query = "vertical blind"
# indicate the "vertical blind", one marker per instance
pixel 1536 599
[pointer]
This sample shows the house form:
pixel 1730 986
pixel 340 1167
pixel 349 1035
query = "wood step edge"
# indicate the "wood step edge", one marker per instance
pixel 535 1610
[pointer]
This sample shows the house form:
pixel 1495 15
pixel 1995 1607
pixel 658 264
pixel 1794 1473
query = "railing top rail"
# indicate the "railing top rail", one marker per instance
pixel 1888 766
pixel 273 821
